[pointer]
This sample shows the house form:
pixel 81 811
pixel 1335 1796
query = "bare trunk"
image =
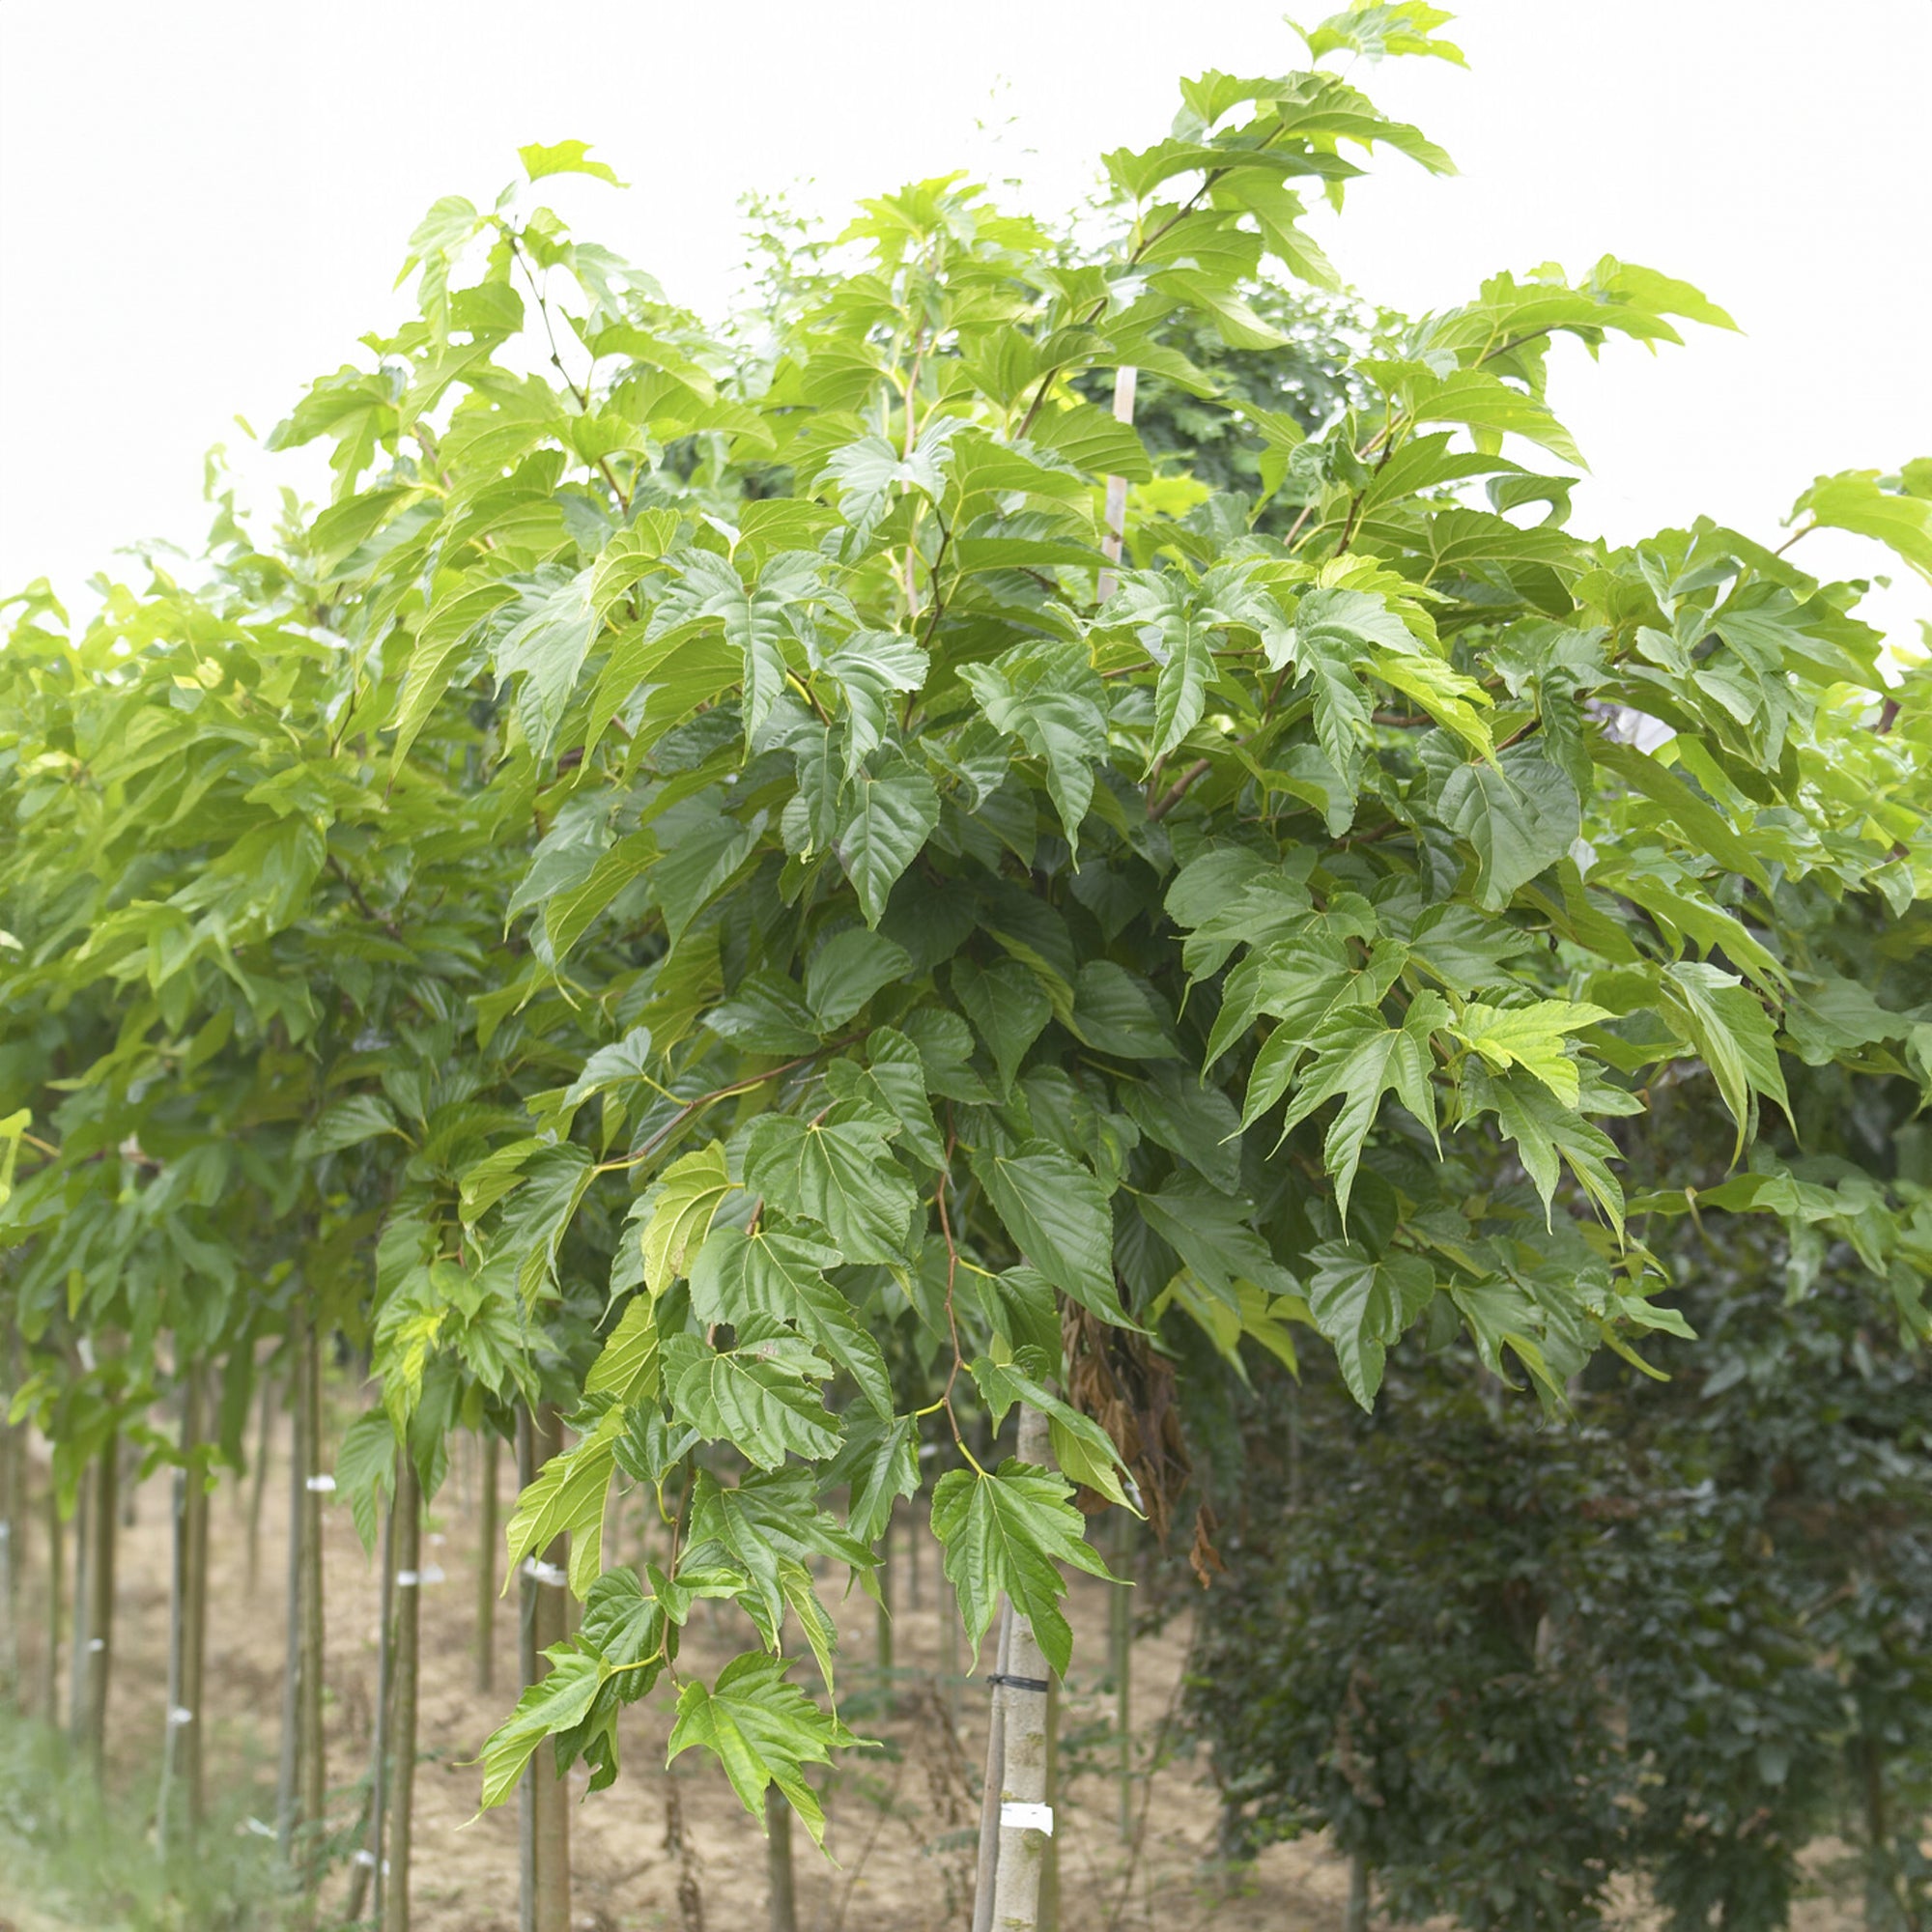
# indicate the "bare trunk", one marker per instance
pixel 288 1781
pixel 370 1858
pixel 264 1437
pixel 189 1714
pixel 882 1655
pixel 1356 1918
pixel 56 1563
pixel 988 1865
pixel 777 1861
pixel 307 1482
pixel 1120 1641
pixel 13 1524
pixel 83 1544
pixel 546 1813
pixel 487 1559
pixel 1026 1818
pixel 403 1730
pixel 103 1521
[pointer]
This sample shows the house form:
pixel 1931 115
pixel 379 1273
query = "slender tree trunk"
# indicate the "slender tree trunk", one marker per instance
pixel 1356 1918
pixel 164 1801
pixel 287 1792
pixel 258 1479
pixel 1117 490
pixel 1121 1642
pixel 403 1751
pixel 310 1790
pixel 1026 1820
pixel 103 1522
pixel 83 1546
pixel 369 1860
pixel 487 1559
pixel 546 1813
pixel 777 1861
pixel 988 1868
pixel 913 1540
pixel 948 1655
pixel 190 1713
pixel 882 1655
pixel 56 1563
pixel 13 1523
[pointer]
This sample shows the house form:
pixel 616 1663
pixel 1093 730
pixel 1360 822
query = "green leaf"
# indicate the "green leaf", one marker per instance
pixel 547 647
pixel 1518 818
pixel 539 1211
pixel 762 1730
pixel 1115 1012
pixel 1005 1531
pixel 840 1174
pixel 1722 1022
pixel 887 815
pixel 564 158
pixel 346 1123
pixel 1092 440
pixel 1008 1007
pixel 567 1498
pixel 762 1396
pixel 626 1367
pixel 1530 1037
pixel 1057 1214
pixel 688 1195
pixel 847 970
pixel 877 1463
pixel 558 1699
pixel 1858 500
pixel 1362 1304
pixel 781 1277
pixel 365 1470
pixel 1360 1057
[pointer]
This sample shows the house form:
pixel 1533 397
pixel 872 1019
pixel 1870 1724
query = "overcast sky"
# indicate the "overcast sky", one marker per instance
pixel 203 205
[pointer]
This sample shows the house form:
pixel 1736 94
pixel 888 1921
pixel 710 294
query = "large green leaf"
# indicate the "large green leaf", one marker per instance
pixel 1056 1212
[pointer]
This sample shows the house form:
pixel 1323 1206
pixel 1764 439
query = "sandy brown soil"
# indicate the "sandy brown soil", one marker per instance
pixel 902 1820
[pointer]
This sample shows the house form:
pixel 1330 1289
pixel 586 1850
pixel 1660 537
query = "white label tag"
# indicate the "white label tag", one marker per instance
pixel 179 1716
pixel 1016 1817
pixel 545 1573
pixel 406 1579
pixel 322 1485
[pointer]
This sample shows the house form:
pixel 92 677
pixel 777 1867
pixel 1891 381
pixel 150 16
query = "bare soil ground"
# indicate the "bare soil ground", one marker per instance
pixel 903 1820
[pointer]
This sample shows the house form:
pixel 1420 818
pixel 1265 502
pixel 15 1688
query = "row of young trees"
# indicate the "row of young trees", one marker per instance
pixel 739 906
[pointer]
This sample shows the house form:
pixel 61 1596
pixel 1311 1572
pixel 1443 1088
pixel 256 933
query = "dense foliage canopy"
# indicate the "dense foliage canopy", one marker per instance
pixel 741 885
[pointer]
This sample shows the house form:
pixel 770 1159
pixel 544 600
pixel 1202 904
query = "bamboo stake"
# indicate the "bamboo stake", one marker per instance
pixel 311 1773
pixel 1356 1918
pixel 988 1865
pixel 83 1544
pixel 171 1731
pixel 408 1512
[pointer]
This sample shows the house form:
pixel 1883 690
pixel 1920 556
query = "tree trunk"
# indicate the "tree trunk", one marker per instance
pixel 408 1509
pixel 164 1799
pixel 777 1861
pixel 988 1868
pixel 103 1521
pixel 311 1785
pixel 56 1563
pixel 1356 1918
pixel 190 1715
pixel 882 1655
pixel 1121 1642
pixel 546 1813
pixel 369 1859
pixel 13 1524
pixel 288 1784
pixel 265 1436
pixel 83 1544
pixel 1026 1819
pixel 487 1559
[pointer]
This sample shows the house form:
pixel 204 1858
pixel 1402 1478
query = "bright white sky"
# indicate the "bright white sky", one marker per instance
pixel 202 205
